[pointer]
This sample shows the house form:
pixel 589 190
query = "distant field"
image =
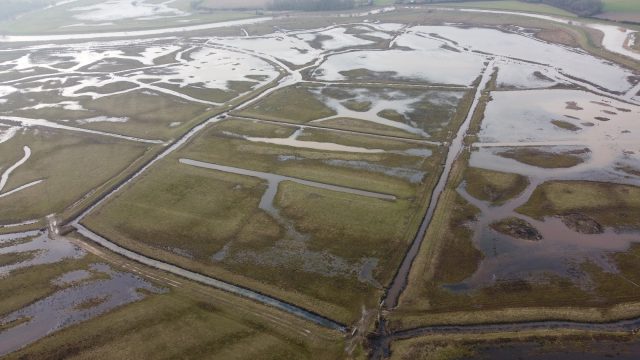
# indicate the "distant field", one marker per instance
pixel 511 5
pixel 234 4
pixel 63 19
pixel 621 5
pixel 383 2
pixel 621 10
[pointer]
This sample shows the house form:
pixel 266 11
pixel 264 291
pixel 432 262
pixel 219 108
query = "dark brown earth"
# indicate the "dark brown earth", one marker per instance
pixel 582 223
pixel 517 228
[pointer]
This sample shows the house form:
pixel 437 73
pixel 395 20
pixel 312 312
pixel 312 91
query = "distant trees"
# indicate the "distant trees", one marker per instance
pixel 312 5
pixel 579 7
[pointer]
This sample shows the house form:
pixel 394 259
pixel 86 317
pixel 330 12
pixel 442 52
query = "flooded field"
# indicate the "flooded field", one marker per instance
pixel 362 176
pixel 286 179
pixel 410 112
pixel 72 296
pixel 545 210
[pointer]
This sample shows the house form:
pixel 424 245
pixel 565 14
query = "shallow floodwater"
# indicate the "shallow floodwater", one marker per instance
pixel 437 66
pixel 606 128
pixel 79 298
pixel 72 305
pixel 568 61
pixel 515 74
pixel 402 102
pixel 44 250
pixel 560 251
pixel 609 128
pixel 294 142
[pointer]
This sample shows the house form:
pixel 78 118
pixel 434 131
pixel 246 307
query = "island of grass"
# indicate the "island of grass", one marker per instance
pixel 565 125
pixel 494 186
pixel 546 159
pixel 597 203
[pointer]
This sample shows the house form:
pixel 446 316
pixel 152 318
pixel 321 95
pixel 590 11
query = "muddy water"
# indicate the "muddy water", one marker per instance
pixel 400 280
pixel 442 66
pixel 614 36
pixel 72 305
pixel 608 128
pixel 568 61
pixel 525 116
pixel 399 101
pixel 211 281
pixel 612 143
pixel 44 250
pixel 624 325
pixel 69 305
pixel 523 75
pixel 560 251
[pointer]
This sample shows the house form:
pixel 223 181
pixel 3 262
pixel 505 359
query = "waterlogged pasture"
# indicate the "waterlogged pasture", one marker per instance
pixel 280 199
pixel 50 283
pixel 301 163
pixel 545 213
pixel 152 90
pixel 396 111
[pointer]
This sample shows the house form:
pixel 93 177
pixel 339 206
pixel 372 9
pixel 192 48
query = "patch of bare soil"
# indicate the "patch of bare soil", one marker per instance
pixel 557 36
pixel 517 228
pixel 582 223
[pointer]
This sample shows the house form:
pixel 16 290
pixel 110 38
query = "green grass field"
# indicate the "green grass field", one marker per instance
pixel 187 215
pixel 70 165
pixel 621 6
pixel 511 5
pixel 493 186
